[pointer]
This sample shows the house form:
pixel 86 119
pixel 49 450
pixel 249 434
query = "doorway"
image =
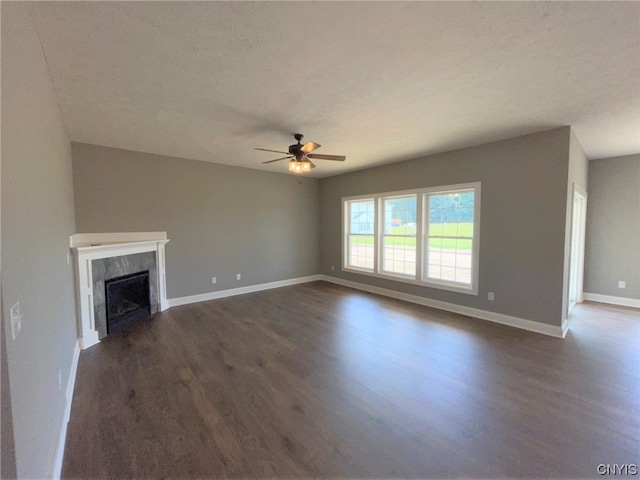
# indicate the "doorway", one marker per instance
pixel 576 257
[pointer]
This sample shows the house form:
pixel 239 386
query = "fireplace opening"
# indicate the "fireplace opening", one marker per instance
pixel 127 300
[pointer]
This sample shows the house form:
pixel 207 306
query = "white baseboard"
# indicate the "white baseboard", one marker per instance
pixel 57 466
pixel 174 302
pixel 89 340
pixel 537 327
pixel 622 301
pixel 565 327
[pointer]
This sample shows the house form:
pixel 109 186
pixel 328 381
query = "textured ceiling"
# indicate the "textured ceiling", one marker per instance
pixel 379 82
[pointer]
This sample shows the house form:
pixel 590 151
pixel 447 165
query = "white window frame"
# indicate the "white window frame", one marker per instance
pixel 381 234
pixel 346 232
pixel 422 226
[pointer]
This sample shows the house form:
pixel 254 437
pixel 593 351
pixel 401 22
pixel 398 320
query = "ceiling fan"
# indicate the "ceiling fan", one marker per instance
pixel 300 155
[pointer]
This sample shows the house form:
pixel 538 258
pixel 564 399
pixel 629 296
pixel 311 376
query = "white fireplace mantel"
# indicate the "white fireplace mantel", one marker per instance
pixel 91 246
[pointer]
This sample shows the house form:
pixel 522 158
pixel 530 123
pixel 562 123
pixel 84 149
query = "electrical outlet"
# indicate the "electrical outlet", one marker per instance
pixel 238 276
pixel 622 284
pixel 16 320
pixel 214 279
pixel 59 379
pixel 333 267
pixel 68 258
pixel 491 296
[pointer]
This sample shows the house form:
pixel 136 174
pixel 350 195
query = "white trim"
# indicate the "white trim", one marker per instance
pixel 472 288
pixel 203 297
pixel 565 327
pixel 583 239
pixel 71 383
pixel 382 234
pixel 524 324
pixel 577 244
pixel 87 239
pixel 346 234
pixel 107 250
pixel 89 340
pixel 57 465
pixel 622 301
pixel 400 193
pixel 442 285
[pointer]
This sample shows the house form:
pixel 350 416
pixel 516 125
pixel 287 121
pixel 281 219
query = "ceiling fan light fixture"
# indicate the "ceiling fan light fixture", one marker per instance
pixel 299 166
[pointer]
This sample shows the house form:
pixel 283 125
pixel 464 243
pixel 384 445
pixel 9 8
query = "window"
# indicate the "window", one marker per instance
pixel 360 239
pixel 399 235
pixel 428 237
pixel 449 239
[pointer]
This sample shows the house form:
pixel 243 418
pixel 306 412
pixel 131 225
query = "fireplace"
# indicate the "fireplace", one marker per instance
pixel 100 257
pixel 127 300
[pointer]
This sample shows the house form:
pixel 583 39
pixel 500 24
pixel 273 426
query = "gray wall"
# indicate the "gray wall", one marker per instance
pixel 522 232
pixel 220 220
pixel 37 219
pixel 613 227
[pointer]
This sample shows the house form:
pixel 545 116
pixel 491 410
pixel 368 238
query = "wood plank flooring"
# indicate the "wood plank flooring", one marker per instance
pixel 321 381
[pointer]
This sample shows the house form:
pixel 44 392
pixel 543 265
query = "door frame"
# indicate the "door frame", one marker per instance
pixel 577 245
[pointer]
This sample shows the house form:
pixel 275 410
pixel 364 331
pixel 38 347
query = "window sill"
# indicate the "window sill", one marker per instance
pixel 421 283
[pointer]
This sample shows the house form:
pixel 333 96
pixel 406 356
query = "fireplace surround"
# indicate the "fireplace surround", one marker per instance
pixel 101 257
pixel 106 270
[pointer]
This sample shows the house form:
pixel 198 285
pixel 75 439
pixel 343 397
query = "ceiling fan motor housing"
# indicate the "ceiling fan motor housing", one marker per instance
pixel 295 148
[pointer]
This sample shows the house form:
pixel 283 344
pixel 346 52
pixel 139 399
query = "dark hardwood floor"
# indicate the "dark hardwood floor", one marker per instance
pixel 321 381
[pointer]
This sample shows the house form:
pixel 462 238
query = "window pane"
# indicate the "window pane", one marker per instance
pixel 465 229
pixel 450 215
pixel 451 230
pixel 436 229
pixel 436 215
pixel 434 271
pixel 361 251
pixel 448 258
pixel 435 244
pixel 463 275
pixel 399 255
pixel 448 274
pixel 400 215
pixel 463 245
pixel 436 201
pixel 361 217
pixel 465 215
pixel 467 201
pixel 450 201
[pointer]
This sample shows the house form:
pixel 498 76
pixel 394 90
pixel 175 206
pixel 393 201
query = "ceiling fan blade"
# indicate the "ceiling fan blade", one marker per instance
pixel 309 147
pixel 313 165
pixel 277 160
pixel 274 151
pixel 319 156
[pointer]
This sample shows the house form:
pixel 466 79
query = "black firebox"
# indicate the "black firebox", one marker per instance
pixel 127 300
